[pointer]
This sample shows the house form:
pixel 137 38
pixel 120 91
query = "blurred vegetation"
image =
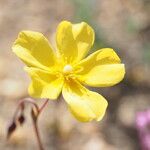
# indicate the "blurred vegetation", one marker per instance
pixel 85 11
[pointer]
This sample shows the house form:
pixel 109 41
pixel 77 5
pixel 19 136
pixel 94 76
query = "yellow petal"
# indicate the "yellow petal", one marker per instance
pixel 74 40
pixel 34 50
pixel 101 69
pixel 85 105
pixel 44 84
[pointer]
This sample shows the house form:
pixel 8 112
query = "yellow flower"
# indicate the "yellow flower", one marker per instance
pixel 67 69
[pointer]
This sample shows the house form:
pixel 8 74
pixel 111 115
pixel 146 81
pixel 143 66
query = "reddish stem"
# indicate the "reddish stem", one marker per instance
pixel 34 118
pixel 22 102
pixel 35 126
pixel 43 106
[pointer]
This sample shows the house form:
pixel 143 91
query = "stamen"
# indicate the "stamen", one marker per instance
pixel 67 69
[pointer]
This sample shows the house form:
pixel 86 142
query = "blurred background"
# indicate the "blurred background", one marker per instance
pixel 123 25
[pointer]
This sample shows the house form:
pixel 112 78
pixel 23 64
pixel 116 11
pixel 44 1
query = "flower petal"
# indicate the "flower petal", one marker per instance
pixel 34 50
pixel 101 69
pixel 44 84
pixel 85 105
pixel 74 40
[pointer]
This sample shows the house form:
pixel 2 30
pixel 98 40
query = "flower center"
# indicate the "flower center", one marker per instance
pixel 67 69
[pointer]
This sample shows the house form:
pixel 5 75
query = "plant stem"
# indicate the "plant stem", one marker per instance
pixel 22 102
pixel 35 126
pixel 43 106
pixel 36 111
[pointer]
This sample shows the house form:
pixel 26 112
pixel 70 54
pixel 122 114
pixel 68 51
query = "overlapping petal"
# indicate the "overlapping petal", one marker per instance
pixel 74 40
pixel 50 74
pixel 34 50
pixel 44 84
pixel 85 105
pixel 101 69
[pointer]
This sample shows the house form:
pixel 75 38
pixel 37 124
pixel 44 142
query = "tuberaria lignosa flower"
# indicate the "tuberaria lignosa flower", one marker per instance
pixel 67 70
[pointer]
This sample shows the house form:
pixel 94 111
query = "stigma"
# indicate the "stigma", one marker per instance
pixel 67 69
